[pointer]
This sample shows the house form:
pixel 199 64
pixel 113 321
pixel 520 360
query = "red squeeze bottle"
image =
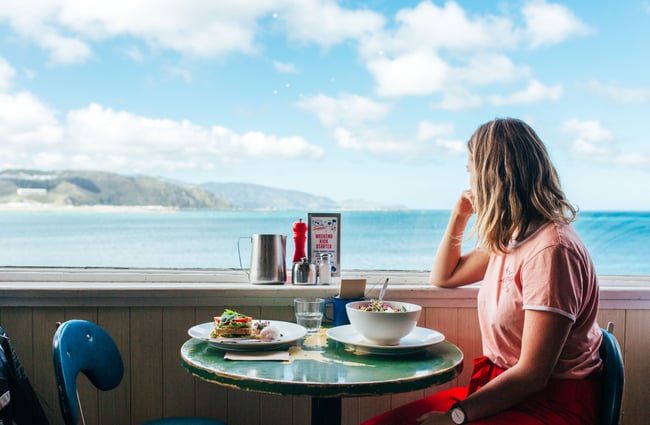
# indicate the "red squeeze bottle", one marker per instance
pixel 299 239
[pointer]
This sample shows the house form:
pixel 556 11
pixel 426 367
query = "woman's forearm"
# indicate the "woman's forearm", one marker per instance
pixel 448 255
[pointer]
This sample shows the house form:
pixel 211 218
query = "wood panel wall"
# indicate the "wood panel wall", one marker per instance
pixel 155 384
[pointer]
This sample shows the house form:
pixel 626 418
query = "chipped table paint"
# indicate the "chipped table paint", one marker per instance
pixel 326 370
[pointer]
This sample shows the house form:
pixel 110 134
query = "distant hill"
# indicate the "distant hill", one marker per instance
pixel 80 188
pixel 97 188
pixel 252 196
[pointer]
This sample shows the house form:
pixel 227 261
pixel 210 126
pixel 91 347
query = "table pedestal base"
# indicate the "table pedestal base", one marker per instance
pixel 325 411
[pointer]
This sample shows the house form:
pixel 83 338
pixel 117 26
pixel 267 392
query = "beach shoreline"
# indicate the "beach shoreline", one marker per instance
pixel 46 207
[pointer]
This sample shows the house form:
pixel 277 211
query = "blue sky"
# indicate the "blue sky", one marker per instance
pixel 369 100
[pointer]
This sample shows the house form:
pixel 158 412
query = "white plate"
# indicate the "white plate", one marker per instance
pixel 289 332
pixel 418 340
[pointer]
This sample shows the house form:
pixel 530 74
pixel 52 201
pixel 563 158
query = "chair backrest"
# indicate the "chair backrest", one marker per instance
pixel 612 379
pixel 82 346
pixel 21 406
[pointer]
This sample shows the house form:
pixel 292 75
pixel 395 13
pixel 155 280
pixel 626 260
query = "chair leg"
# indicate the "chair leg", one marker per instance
pixel 81 412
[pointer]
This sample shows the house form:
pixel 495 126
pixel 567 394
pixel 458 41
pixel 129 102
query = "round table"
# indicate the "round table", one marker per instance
pixel 326 370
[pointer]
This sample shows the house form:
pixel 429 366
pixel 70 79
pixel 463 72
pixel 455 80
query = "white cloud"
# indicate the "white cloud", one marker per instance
pixel 65 28
pixel 135 54
pixel 458 98
pixel 534 92
pixel 548 24
pixel 178 72
pixel 368 141
pixel 430 27
pixel 326 23
pixel 591 139
pixel 437 132
pixel 593 142
pixel 489 68
pixel 428 130
pixel 619 93
pixel 97 129
pixel 285 68
pixel 434 48
pixel 414 73
pixel 633 160
pixel 444 50
pixel 101 138
pixel 25 122
pixel 350 120
pixel 452 147
pixel 347 109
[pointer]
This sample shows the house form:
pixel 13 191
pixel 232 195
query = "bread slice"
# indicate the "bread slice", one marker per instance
pixel 231 332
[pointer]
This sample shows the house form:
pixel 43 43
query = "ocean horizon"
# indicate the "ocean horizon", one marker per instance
pixel 619 242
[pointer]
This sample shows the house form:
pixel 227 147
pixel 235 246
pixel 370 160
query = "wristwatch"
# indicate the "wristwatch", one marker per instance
pixel 457 414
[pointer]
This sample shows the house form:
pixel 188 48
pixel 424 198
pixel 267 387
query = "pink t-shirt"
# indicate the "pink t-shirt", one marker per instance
pixel 549 271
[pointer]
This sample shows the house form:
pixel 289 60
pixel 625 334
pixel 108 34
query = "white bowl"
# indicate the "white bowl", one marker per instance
pixel 383 328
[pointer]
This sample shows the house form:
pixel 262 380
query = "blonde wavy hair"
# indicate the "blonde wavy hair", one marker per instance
pixel 516 185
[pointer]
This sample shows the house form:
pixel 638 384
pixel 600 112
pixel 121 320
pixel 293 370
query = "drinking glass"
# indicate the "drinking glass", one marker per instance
pixel 309 313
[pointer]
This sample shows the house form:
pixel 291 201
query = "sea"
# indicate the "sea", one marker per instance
pixel 619 242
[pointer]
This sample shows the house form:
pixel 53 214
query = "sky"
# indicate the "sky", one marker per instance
pixel 354 100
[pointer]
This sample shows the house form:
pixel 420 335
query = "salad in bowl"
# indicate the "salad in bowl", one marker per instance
pixel 383 323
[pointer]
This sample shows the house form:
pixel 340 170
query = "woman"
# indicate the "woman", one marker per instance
pixel 538 299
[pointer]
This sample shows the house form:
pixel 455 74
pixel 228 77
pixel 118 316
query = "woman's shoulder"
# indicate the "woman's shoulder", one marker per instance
pixel 551 234
pixel 556 236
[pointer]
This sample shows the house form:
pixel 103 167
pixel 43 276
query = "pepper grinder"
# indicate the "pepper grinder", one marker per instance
pixel 300 270
pixel 299 239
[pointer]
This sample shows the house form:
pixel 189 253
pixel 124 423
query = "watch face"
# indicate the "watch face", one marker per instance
pixel 457 415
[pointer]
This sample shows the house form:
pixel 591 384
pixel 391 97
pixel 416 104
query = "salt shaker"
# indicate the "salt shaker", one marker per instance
pixel 325 269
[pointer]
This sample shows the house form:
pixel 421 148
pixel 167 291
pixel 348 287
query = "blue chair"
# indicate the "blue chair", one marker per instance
pixel 612 377
pixel 82 346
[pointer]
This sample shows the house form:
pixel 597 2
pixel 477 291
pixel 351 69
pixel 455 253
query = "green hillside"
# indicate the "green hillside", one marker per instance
pixel 80 188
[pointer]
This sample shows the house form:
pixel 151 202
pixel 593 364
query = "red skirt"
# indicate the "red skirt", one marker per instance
pixel 562 402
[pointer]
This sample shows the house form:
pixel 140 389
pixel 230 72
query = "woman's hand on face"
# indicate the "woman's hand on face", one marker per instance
pixel 465 204
pixel 434 418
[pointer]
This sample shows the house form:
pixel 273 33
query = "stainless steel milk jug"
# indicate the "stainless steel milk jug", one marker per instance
pixel 268 264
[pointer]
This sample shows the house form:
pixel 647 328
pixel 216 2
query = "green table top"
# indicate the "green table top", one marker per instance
pixel 321 367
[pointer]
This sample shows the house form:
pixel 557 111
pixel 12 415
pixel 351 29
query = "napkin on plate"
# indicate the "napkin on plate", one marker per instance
pixel 257 355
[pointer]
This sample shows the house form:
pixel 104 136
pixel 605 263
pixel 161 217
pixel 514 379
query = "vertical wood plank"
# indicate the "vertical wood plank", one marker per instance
pixel 178 386
pixel 405 398
pixel 44 319
pixel 243 408
pixel 444 320
pixel 349 411
pixel 146 363
pixel 18 323
pixel 636 347
pixel 469 341
pixel 618 318
pixel 372 406
pixel 211 399
pixel 277 313
pixel 277 410
pixel 115 405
